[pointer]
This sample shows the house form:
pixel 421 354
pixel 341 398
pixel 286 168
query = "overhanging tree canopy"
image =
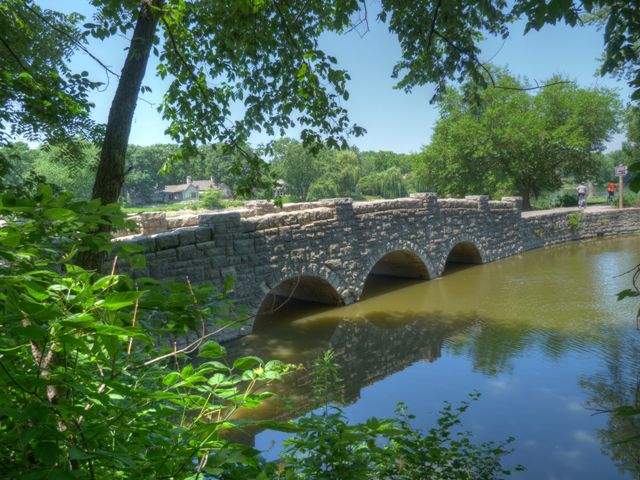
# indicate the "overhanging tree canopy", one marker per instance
pixel 260 54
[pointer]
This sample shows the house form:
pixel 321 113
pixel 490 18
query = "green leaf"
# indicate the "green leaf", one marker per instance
pixel 171 378
pixel 245 363
pixel 77 454
pixel 187 371
pixel 627 293
pixel 59 214
pixel 229 281
pixel 118 300
pixel 212 350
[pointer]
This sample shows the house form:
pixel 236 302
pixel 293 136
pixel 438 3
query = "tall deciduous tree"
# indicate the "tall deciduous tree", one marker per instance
pixel 297 166
pixel 518 142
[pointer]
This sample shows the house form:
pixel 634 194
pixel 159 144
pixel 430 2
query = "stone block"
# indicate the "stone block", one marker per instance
pixel 148 244
pixel 517 201
pixel 219 218
pixel 243 246
pixel 188 252
pixel 203 234
pixel 166 240
pixel 163 256
pixel 186 236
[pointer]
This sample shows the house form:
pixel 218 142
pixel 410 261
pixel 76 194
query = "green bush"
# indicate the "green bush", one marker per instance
pixel 567 199
pixel 89 390
pixel 630 199
pixel 322 188
pixel 212 199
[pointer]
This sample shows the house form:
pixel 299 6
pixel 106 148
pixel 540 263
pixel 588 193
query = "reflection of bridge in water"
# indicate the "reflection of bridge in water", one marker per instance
pixel 367 349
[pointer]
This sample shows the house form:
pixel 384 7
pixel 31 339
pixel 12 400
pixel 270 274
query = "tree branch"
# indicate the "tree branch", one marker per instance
pixel 204 93
pixel 13 54
pixel 364 19
pixel 473 57
pixel 433 24
pixel 69 36
pixel 297 17
pixel 16 383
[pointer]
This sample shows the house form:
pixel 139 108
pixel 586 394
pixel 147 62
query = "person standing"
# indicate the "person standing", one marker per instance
pixel 582 191
pixel 611 189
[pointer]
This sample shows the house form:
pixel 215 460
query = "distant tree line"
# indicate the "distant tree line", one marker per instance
pixel 309 175
pixel 144 175
pixel 330 173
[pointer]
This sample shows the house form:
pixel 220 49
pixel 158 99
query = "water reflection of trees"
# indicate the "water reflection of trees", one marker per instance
pixel 618 384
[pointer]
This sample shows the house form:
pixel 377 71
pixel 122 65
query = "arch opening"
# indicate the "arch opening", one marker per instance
pixel 398 265
pixel 463 253
pixel 401 264
pixel 295 297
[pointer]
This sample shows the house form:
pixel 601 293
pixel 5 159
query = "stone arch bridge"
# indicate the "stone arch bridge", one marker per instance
pixel 324 251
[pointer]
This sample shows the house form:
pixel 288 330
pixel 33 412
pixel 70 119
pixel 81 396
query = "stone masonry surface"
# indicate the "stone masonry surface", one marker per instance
pixel 340 242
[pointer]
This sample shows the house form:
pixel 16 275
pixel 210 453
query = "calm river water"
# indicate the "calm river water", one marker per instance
pixel 541 336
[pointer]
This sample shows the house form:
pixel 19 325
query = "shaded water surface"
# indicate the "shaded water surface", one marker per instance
pixel 540 336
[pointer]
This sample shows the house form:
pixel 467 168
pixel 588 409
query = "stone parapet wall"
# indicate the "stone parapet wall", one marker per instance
pixel 558 227
pixel 339 242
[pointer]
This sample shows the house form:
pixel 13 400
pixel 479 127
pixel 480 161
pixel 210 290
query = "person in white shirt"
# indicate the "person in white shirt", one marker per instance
pixel 582 191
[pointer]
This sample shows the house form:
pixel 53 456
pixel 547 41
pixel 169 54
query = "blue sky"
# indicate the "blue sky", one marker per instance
pixel 394 120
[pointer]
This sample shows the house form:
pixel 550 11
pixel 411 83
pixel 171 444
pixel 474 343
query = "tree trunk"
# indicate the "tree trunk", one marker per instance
pixel 110 174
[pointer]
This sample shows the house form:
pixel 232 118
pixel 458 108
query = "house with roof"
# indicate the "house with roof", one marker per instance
pixel 191 190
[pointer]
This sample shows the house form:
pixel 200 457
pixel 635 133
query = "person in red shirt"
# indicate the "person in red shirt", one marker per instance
pixel 611 188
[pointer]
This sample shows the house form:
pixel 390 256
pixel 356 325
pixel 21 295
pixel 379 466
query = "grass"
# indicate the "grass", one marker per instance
pixel 175 207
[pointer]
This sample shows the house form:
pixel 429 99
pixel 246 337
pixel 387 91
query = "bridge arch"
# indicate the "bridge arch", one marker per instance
pixel 464 250
pixel 308 287
pixel 398 258
pixel 400 263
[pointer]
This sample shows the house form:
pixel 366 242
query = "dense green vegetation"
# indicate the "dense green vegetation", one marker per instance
pixel 312 175
pixel 309 174
pixel 516 141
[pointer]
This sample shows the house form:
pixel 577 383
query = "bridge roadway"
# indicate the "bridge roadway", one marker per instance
pixel 324 251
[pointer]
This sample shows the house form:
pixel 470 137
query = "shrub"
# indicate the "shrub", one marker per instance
pixel 630 199
pixel 575 220
pixel 212 199
pixel 567 199
pixel 88 388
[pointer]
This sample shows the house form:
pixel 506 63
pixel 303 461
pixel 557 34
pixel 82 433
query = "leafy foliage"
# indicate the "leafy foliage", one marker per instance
pixel 40 95
pixel 328 173
pixel 212 199
pixel 90 388
pixel 326 446
pixel 516 142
